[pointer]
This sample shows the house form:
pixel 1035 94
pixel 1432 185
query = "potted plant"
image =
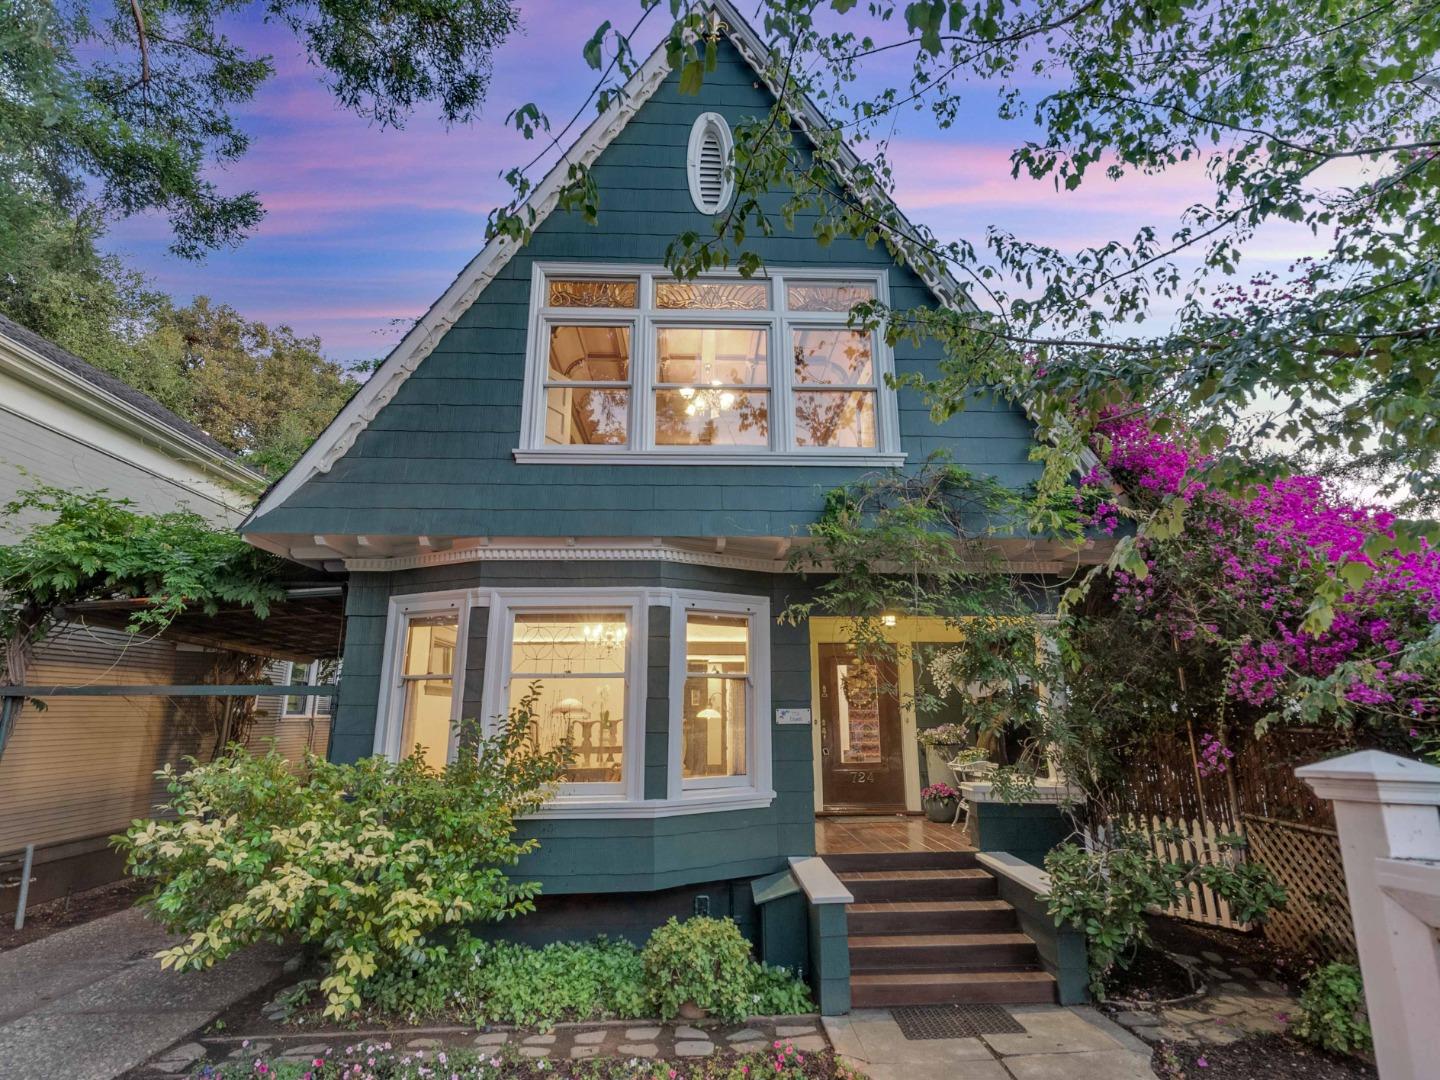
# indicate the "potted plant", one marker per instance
pixel 939 744
pixel 940 801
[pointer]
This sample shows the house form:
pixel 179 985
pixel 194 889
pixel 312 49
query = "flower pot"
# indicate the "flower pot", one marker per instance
pixel 941 810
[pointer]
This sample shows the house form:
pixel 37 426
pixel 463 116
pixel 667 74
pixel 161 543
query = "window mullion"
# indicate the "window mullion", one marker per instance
pixel 781 407
pixel 643 372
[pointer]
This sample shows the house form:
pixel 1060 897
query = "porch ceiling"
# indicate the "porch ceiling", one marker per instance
pixel 308 624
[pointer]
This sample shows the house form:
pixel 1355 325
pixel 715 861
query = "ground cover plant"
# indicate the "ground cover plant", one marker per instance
pixel 362 862
pixel 1332 1010
pixel 377 1060
pixel 703 961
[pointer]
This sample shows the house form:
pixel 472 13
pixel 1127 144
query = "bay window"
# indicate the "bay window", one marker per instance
pixel 638 366
pixel 581 660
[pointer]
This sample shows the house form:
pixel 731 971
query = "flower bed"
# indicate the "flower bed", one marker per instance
pixel 381 1061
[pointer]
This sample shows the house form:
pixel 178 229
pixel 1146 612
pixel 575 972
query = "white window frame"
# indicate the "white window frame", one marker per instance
pixel 626 799
pixel 644 320
pixel 390 706
pixel 311 678
pixel 505 604
pixel 755 784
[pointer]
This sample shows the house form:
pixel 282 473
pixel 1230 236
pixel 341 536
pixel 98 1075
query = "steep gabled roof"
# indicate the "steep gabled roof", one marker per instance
pixel 420 341
pixel 121 401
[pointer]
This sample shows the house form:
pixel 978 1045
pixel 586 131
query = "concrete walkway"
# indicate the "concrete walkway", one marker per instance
pixel 1058 1044
pixel 89 1003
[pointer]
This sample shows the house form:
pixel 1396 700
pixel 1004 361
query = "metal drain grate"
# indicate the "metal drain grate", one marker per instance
pixel 954 1021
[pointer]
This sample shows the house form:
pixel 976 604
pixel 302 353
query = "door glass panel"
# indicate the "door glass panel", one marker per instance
pixel 715 694
pixel 859 707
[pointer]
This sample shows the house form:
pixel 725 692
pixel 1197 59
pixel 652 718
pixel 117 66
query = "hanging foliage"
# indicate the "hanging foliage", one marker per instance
pixel 74 546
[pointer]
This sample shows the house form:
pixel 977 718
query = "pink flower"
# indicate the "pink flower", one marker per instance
pixel 1200 1062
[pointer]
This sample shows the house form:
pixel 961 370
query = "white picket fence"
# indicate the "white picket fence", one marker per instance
pixel 1196 842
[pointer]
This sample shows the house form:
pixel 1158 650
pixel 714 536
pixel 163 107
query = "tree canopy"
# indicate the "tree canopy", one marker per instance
pixel 115 107
pixel 1320 114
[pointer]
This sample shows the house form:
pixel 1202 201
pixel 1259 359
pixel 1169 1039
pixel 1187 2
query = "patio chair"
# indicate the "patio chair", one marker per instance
pixel 963 772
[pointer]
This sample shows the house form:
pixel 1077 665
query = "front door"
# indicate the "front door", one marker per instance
pixel 861 757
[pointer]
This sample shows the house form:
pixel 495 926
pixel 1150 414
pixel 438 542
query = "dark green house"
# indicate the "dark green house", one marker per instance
pixel 578 471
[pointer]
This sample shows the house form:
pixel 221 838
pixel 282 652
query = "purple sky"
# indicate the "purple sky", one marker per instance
pixel 365 227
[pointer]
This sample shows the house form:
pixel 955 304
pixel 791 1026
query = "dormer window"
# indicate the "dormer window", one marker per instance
pixel 637 366
pixel 707 158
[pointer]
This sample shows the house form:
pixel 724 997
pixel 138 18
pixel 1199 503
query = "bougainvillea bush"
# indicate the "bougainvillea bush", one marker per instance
pixel 361 862
pixel 1286 602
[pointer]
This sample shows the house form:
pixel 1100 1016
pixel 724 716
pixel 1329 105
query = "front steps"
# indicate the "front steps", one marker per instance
pixel 927 928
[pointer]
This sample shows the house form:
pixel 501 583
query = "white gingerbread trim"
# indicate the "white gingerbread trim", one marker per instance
pixel 360 410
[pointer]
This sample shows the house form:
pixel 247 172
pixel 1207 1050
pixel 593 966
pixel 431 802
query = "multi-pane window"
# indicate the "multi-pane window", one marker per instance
pixel 427 677
pixel 575 664
pixel 716 697
pixel 644 362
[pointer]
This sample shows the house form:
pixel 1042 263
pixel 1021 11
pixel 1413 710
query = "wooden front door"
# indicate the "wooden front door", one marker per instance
pixel 861 756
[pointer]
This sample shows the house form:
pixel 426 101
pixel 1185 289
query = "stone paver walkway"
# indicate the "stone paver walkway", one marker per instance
pixel 632 1038
pixel 1237 1002
pixel 89 1003
pixel 1058 1044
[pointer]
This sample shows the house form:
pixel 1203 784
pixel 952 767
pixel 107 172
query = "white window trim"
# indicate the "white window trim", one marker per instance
pixel 705 123
pixel 308 712
pixel 390 706
pixel 504 605
pixel 756 782
pixel 641 448
pixel 630 801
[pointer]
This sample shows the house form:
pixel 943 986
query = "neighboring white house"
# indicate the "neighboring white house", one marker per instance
pixel 82 769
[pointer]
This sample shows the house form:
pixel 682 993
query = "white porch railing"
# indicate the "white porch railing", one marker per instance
pixel 1387 811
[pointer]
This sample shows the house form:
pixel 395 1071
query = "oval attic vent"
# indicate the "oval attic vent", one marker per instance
pixel 710 148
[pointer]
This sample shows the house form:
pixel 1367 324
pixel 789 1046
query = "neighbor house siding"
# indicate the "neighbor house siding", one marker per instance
pixel 607 855
pixel 437 458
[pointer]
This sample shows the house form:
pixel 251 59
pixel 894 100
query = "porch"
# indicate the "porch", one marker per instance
pixel 854 834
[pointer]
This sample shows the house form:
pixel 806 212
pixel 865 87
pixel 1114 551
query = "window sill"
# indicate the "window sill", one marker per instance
pixel 566 456
pixel 563 809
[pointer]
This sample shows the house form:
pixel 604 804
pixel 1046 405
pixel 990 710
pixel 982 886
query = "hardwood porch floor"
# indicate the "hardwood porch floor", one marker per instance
pixel 852 835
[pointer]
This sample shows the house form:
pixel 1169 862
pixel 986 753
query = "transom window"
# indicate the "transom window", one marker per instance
pixel 641 364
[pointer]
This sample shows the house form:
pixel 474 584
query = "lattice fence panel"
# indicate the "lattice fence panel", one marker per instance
pixel 1306 860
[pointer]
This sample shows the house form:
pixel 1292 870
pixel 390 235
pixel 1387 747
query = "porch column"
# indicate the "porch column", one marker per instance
pixel 1389 825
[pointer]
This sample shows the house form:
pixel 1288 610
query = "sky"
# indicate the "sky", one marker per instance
pixel 366 226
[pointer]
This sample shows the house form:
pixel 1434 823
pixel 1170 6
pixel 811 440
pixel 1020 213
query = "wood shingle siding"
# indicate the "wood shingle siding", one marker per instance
pixel 580 856
pixel 437 458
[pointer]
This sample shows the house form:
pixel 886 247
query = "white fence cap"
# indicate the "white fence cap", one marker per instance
pixel 1374 776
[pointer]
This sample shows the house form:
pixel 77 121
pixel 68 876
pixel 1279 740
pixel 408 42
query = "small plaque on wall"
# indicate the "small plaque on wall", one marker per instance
pixel 792 716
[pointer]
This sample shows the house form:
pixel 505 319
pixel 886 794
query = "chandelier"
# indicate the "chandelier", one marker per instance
pixel 609 635
pixel 710 398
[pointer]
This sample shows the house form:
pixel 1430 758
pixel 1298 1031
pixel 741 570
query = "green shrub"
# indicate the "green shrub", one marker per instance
pixel 777 992
pixel 1332 1010
pixel 482 982
pixel 362 862
pixel 703 961
pixel 1105 891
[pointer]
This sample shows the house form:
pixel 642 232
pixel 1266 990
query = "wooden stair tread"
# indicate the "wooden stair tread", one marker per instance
pixel 953 978
pixel 949 874
pixel 930 941
pixel 919 907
